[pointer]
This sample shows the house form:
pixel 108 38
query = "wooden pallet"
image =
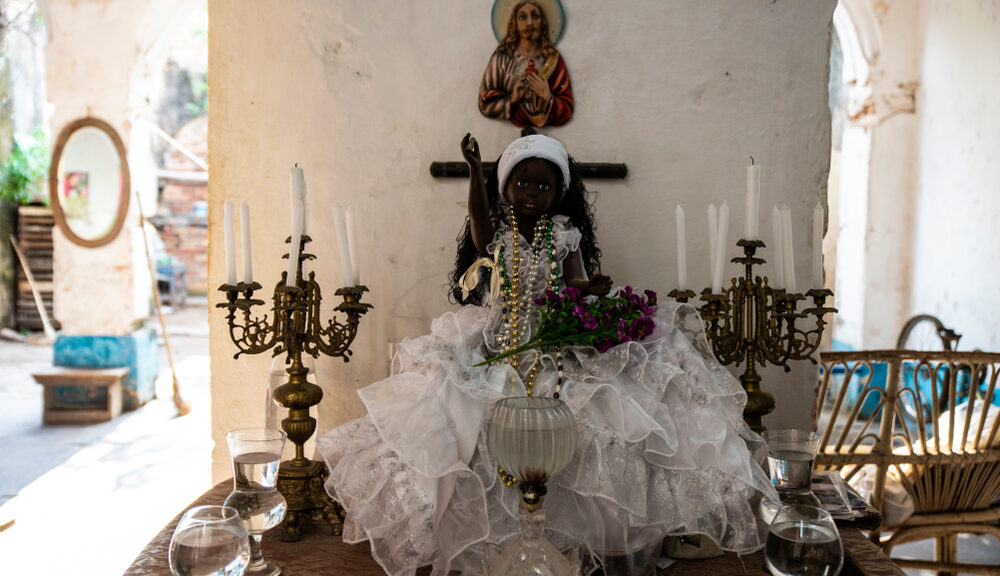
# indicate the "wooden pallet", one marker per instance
pixel 34 234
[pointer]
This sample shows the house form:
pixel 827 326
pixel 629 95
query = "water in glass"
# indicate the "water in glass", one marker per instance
pixel 790 468
pixel 803 540
pixel 210 552
pixel 209 541
pixel 255 497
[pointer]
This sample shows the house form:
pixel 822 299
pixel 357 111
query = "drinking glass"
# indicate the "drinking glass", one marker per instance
pixel 803 540
pixel 256 453
pixel 209 541
pixel 790 456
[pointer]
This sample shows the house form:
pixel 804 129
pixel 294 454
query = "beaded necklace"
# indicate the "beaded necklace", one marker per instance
pixel 514 302
pixel 518 305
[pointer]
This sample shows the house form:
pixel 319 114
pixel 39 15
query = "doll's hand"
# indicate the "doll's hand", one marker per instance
pixel 470 151
pixel 599 285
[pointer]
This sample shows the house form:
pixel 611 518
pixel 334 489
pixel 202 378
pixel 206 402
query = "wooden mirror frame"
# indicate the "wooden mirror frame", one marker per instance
pixel 125 197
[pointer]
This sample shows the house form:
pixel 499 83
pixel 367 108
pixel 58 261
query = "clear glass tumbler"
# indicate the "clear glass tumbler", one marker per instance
pixel 790 456
pixel 256 454
pixel 803 540
pixel 209 541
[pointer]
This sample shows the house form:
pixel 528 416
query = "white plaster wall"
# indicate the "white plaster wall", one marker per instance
pixel 956 247
pixel 892 177
pixel 852 212
pixel 364 95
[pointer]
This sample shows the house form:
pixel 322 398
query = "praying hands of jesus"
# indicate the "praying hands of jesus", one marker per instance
pixel 538 87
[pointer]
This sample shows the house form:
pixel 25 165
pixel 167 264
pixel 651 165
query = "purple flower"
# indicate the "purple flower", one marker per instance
pixel 646 309
pixel 650 297
pixel 623 333
pixel 589 322
pixel 549 296
pixel 641 327
pixel 605 345
pixel 572 294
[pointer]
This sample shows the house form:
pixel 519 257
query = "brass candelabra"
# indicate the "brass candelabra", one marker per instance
pixel 295 329
pixel 753 322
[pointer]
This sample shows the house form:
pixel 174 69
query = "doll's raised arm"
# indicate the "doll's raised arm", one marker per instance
pixel 576 276
pixel 479 205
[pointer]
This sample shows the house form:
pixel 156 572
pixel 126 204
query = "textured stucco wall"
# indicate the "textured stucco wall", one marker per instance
pixel 364 95
pixel 956 248
pixel 89 59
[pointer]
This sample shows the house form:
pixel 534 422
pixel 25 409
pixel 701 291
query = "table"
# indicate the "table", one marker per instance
pixel 319 554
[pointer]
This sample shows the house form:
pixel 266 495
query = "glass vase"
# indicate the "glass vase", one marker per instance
pixel 532 439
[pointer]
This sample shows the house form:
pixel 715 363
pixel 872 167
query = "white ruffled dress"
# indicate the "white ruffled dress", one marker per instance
pixel 662 447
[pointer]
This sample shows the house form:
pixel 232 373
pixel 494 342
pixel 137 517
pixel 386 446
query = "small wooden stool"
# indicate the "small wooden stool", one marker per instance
pixel 55 411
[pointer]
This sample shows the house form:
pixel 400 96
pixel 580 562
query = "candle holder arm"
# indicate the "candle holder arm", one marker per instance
pixel 336 338
pixel 806 343
pixel 719 325
pixel 253 334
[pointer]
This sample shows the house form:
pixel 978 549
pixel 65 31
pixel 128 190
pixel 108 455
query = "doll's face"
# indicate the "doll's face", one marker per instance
pixel 532 187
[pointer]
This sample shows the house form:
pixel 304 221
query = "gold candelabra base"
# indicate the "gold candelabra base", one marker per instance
pixel 302 486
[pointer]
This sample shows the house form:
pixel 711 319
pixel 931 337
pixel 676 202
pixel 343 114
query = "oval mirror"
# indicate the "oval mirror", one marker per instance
pixel 89 182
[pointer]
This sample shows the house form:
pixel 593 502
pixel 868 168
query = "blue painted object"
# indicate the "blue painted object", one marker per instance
pixel 137 351
pixel 879 372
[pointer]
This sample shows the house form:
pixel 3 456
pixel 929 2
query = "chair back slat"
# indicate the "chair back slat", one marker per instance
pixel 991 373
pixel 929 417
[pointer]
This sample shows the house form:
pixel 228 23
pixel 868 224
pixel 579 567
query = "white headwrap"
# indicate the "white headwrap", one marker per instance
pixel 533 146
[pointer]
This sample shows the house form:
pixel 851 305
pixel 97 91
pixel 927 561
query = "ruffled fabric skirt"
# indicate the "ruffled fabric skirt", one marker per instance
pixel 662 449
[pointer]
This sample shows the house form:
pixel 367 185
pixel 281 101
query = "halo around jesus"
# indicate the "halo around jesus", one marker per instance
pixel 553 13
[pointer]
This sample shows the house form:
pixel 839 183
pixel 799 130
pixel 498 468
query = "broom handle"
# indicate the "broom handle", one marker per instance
pixel 183 407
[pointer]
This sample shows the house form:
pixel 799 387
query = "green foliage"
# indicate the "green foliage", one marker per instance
pixel 26 165
pixel 199 95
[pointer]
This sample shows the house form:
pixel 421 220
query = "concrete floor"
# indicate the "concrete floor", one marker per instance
pixel 85 499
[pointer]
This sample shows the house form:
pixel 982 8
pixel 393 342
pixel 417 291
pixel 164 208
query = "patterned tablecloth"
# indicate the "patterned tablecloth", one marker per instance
pixel 319 554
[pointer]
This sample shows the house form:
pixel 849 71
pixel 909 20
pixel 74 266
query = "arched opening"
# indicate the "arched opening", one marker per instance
pixel 854 48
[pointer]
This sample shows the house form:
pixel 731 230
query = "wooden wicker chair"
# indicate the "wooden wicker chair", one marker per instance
pixel 895 410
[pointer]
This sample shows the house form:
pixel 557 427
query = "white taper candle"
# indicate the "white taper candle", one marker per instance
pixel 245 233
pixel 720 248
pixel 777 248
pixel 297 194
pixel 682 274
pixel 340 226
pixel 750 214
pixel 788 257
pixel 227 223
pixel 352 244
pixel 293 248
pixel 713 238
pixel 817 259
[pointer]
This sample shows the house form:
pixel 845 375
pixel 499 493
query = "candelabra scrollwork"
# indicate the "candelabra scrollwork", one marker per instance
pixel 294 328
pixel 753 322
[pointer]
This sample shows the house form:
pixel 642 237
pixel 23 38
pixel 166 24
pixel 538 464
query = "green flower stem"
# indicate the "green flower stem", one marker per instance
pixel 556 339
